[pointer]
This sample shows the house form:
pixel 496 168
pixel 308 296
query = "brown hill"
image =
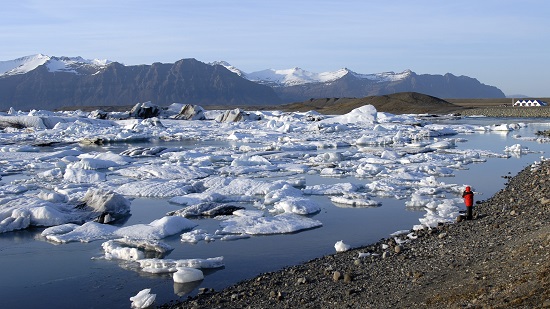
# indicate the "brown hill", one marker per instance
pixel 397 103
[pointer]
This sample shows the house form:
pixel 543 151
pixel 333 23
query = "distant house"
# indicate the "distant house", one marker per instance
pixel 530 102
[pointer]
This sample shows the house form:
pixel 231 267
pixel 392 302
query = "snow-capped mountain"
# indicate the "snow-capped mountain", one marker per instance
pixel 296 84
pixel 76 65
pixel 38 80
pixel 293 77
pixel 297 76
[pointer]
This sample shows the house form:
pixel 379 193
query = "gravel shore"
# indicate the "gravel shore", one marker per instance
pixel 507 111
pixel 500 259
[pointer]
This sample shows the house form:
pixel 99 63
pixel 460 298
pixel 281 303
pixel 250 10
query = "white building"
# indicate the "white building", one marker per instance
pixel 530 102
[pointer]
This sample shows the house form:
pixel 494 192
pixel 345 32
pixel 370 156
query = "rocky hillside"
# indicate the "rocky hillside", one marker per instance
pixel 396 103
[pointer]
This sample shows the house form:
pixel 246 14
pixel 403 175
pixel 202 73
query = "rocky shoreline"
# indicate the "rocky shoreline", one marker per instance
pixel 501 259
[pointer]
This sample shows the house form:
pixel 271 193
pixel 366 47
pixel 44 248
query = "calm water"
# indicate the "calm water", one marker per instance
pixel 36 273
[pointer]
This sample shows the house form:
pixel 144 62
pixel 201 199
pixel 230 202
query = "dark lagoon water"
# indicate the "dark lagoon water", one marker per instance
pixel 37 273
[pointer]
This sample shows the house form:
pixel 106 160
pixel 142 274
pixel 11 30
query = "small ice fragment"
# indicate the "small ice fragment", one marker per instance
pixel 187 274
pixel 340 246
pixel 143 299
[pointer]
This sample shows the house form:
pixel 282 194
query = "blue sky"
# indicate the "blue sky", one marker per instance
pixel 504 43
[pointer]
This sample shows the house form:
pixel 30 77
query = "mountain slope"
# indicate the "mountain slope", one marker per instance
pixel 40 81
pixel 297 85
pixel 59 82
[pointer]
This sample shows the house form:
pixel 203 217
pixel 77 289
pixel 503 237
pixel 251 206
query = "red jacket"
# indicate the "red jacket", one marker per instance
pixel 468 196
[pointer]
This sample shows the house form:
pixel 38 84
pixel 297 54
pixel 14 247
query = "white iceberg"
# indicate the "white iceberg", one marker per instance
pixel 143 299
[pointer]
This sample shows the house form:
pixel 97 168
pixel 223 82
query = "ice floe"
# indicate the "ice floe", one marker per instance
pixel 247 171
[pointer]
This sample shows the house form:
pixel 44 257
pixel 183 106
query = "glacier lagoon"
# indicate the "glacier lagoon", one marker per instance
pixel 361 182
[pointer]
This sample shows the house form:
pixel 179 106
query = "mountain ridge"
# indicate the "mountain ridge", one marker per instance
pixel 39 80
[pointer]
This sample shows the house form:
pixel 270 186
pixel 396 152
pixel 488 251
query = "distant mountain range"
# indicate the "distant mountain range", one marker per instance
pixel 46 82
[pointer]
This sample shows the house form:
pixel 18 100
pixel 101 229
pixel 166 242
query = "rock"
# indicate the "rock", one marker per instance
pixel 347 278
pixel 398 249
pixel 336 276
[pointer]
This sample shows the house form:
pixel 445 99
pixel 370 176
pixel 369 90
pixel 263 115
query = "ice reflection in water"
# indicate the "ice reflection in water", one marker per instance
pixel 65 275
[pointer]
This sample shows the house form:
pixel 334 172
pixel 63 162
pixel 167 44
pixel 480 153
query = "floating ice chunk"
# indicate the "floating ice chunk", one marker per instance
pixel 158 266
pixel 87 232
pixel 59 229
pixel 168 172
pixel 330 189
pixel 285 192
pixel 93 164
pixel 246 160
pixel 253 224
pixel 369 169
pixel 194 236
pixel 22 211
pixel 445 144
pixel 157 229
pixel 354 200
pixel 439 130
pixel 340 246
pixel 155 188
pixel 13 189
pixel 297 205
pixel 197 198
pixel 187 274
pixel 113 250
pixel 234 237
pixel 502 127
pixel 245 186
pixel 329 157
pixel 210 209
pixel 107 202
pixel 143 299
pixel 517 149
pixel 52 197
pixel 83 176
pixel 364 114
pixel 383 117
pixel 143 151
pixel 145 244
pixel 417 200
pixel 24 121
pixel 18 219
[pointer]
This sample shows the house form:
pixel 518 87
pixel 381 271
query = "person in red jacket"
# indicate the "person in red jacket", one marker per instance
pixel 468 196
